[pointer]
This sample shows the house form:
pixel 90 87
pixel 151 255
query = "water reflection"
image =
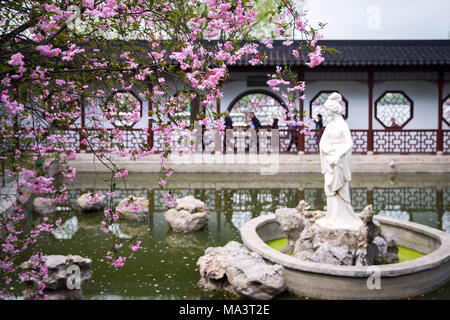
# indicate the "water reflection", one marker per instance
pixel 446 222
pixel 239 218
pixel 166 266
pixel 67 229
pixel 397 214
pixel 115 230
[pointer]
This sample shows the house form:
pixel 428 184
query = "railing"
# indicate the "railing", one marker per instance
pixel 359 138
pixel 75 137
pixel 405 141
pixel 384 141
pixel 446 141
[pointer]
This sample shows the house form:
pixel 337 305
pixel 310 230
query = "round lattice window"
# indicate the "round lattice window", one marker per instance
pixel 394 109
pixel 446 110
pixel 316 106
pixel 125 108
pixel 184 102
pixel 264 104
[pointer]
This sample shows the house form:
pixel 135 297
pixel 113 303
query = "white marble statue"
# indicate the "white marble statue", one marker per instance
pixel 335 151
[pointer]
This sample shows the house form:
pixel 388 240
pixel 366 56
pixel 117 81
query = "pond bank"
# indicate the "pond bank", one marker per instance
pixel 268 165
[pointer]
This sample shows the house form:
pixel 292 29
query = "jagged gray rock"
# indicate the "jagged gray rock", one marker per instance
pixel 385 249
pixel 189 203
pixel 189 215
pixel 134 208
pixel 334 246
pixel 88 203
pixel 293 220
pixel 241 272
pixel 59 272
pixel 44 206
pixel 371 227
pixel 312 242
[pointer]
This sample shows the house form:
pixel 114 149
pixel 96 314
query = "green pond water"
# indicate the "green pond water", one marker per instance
pixel 166 266
pixel 404 254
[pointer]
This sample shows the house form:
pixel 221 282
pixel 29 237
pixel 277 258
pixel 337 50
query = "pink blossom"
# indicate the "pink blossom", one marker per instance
pixel 315 57
pixel 267 43
pixel 136 247
pixel 119 262
pixel 16 59
pixel 121 174
pixel 88 3
pixel 46 50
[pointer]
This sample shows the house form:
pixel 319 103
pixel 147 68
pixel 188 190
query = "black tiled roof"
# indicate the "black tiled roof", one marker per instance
pixel 351 53
pixel 365 53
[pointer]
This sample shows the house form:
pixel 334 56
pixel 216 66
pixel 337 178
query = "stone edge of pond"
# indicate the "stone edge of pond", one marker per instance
pixel 438 257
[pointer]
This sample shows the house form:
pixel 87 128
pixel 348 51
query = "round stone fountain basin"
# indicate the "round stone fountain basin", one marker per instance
pixel 326 281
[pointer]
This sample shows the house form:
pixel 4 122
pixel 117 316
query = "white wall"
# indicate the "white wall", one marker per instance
pixel 143 123
pixel 356 94
pixel 236 85
pixel 425 100
pixel 445 93
pixel 424 95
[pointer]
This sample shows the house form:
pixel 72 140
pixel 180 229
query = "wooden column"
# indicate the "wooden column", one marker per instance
pixel 369 197
pixel 195 109
pixel 151 209
pixel 83 123
pixel 301 137
pixel 440 205
pixel 218 99
pixel 370 131
pixel 301 194
pixel 218 201
pixel 440 133
pixel 218 106
pixel 150 117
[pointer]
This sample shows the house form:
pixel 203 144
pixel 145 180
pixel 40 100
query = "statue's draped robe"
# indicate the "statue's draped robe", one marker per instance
pixel 336 142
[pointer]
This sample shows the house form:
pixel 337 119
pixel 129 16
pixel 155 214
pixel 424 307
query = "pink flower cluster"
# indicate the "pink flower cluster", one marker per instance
pixel 59 69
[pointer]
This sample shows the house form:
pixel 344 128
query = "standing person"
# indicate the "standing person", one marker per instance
pixel 294 134
pixel 275 121
pixel 228 125
pixel 255 124
pixel 319 126
pixel 254 121
pixel 197 118
pixel 319 122
pixel 393 124
pixel 228 121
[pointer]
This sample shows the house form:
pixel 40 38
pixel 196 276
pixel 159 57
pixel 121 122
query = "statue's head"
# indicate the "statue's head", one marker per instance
pixel 334 104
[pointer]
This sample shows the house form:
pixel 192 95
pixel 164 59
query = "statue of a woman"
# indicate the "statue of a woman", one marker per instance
pixel 335 150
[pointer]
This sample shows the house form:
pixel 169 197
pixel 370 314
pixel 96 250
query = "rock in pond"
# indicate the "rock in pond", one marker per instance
pixel 44 206
pixel 312 242
pixel 189 214
pixel 61 275
pixel 241 272
pixel 293 220
pixel 91 202
pixel 134 208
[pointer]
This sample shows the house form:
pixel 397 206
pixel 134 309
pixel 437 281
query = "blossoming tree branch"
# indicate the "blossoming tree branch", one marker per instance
pixel 59 55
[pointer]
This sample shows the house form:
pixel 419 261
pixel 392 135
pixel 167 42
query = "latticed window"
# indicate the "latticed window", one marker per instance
pixel 183 99
pixel 316 106
pixel 125 108
pixel 394 109
pixel 265 105
pixel 446 110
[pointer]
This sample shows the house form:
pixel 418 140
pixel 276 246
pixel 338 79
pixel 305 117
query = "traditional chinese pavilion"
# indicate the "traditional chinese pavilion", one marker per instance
pixel 381 82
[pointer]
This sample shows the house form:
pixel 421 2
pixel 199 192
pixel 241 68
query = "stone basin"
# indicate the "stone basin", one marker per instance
pixel 327 281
